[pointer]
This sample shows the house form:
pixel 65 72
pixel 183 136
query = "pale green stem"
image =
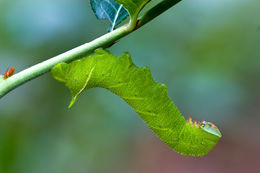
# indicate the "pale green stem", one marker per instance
pixel 76 53
pixel 104 41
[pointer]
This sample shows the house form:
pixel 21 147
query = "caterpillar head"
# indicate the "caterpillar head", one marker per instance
pixel 205 126
pixel 210 128
pixel 197 138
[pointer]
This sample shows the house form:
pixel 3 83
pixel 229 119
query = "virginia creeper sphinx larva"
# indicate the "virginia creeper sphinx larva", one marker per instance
pixel 149 99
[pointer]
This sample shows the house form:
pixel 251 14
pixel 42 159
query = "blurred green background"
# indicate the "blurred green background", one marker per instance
pixel 206 51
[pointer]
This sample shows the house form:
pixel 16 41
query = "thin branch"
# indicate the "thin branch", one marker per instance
pixel 6 85
pixel 79 52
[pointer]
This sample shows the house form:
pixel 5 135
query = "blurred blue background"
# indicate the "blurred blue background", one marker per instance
pixel 206 51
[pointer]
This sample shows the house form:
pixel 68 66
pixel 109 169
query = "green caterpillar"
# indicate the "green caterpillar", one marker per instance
pixel 149 99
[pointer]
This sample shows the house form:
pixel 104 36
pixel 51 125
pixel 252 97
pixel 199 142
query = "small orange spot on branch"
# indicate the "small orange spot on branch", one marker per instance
pixel 9 73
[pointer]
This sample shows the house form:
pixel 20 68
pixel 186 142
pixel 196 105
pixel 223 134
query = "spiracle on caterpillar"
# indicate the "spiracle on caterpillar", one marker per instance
pixel 148 98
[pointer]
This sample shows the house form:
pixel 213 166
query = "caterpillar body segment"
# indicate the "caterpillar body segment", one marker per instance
pixel 148 98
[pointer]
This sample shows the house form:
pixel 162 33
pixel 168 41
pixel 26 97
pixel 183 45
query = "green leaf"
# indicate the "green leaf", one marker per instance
pixel 149 99
pixel 109 9
pixel 133 6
